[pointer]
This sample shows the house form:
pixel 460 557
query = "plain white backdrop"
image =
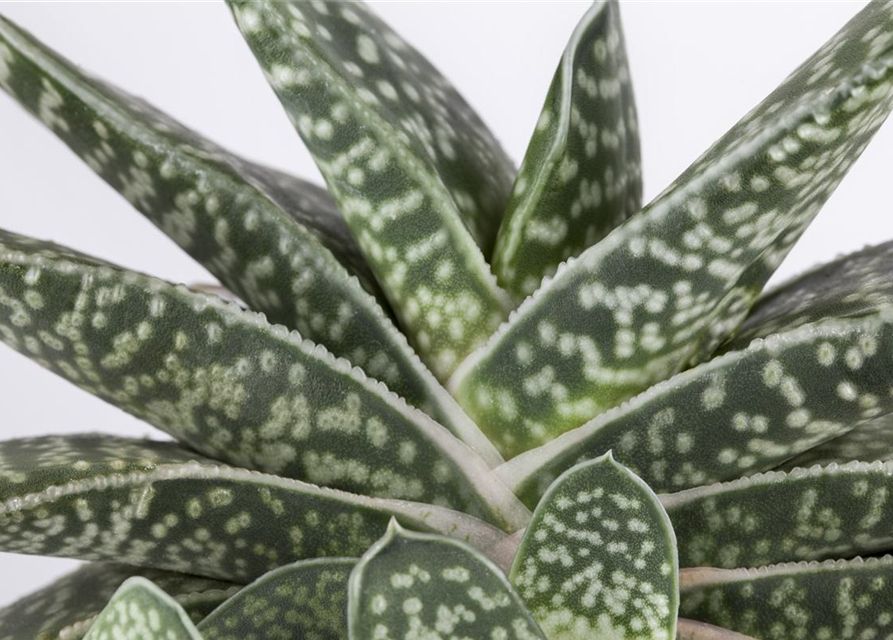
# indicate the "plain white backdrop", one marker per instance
pixel 697 67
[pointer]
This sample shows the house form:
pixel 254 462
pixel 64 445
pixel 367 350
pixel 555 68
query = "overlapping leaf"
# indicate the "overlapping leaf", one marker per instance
pixel 66 609
pixel 823 512
pixel 305 600
pixel 803 601
pixel 670 284
pixel 420 180
pixel 424 586
pixel 232 386
pixel 581 176
pixel 599 558
pixel 276 241
pixel 869 442
pixel 154 505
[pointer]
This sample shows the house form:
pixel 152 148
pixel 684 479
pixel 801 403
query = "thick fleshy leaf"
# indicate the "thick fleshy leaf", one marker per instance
pixel 797 601
pixel 869 442
pixel 140 610
pixel 670 284
pixel 424 586
pixel 694 630
pixel 303 601
pixel 599 558
pixel 823 512
pixel 231 385
pixel 154 505
pixel 581 175
pixel 66 609
pixel 743 412
pixel 420 180
pixel 277 242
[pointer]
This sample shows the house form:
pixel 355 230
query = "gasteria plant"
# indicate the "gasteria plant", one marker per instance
pixel 613 369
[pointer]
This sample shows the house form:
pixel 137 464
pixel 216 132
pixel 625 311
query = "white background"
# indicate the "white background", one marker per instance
pixel 697 67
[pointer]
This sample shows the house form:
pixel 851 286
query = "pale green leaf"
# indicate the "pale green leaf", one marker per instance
pixel 65 609
pixel 670 284
pixel 231 385
pixel 869 442
pixel 581 175
pixel 599 558
pixel 416 585
pixel 802 601
pixel 693 630
pixel 277 242
pixel 823 512
pixel 154 505
pixel 421 182
pixel 303 601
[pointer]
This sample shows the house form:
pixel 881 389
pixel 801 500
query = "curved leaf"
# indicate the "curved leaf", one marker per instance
pixel 833 599
pixel 415 585
pixel 232 386
pixel 420 180
pixel 670 284
pixel 66 609
pixel 154 505
pixel 869 442
pixel 276 241
pixel 599 558
pixel 581 176
pixel 823 512
pixel 300 601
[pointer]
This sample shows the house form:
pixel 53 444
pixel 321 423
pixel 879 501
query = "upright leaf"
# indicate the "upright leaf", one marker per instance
pixel 664 289
pixel 581 176
pixel 276 241
pixel 154 505
pixel 599 558
pixel 420 180
pixel 423 586
pixel 231 385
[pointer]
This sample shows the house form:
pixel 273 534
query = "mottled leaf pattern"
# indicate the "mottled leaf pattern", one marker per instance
pixel 276 241
pixel 675 280
pixel 823 512
pixel 421 182
pixel 411 585
pixel 869 442
pixel 599 558
pixel 154 505
pixel 582 174
pixel 232 386
pixel 802 601
pixel 66 609
pixel 303 601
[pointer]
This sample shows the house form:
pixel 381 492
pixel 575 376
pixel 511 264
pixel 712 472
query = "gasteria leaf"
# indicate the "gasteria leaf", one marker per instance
pixel 743 412
pixel 664 289
pixel 869 442
pixel 153 505
pixel 823 512
pixel 300 601
pixel 278 242
pixel 232 386
pixel 420 180
pixel 599 558
pixel 416 585
pixel 66 609
pixel 582 175
pixel 796 601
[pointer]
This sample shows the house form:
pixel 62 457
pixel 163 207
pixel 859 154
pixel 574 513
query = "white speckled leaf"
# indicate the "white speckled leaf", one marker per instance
pixel 302 601
pixel 152 504
pixel 231 385
pixel 869 442
pixel 670 284
pixel 823 512
pixel 65 609
pixel 744 412
pixel 694 630
pixel 582 174
pixel 421 182
pixel 599 558
pixel 276 241
pixel 411 585
pixel 797 601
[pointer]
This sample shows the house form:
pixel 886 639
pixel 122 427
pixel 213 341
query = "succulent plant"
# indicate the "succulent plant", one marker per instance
pixel 447 399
